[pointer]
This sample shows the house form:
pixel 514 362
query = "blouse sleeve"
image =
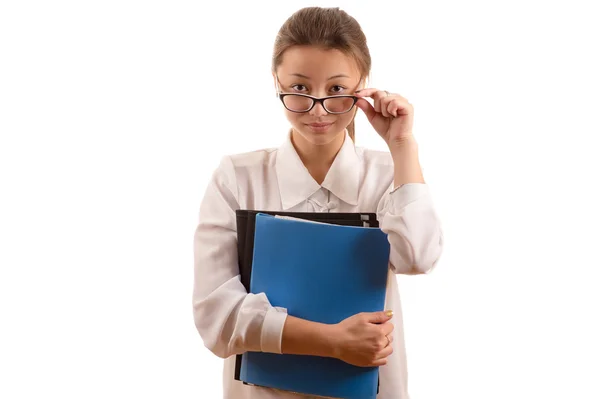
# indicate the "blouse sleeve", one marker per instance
pixel 229 320
pixel 414 229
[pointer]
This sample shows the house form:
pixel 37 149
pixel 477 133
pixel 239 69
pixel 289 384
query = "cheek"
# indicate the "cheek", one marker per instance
pixel 345 119
pixel 294 119
pixel 292 116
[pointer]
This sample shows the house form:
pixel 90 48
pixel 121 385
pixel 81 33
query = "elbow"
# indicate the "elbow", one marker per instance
pixel 221 351
pixel 412 269
pixel 230 324
pixel 415 260
pixel 212 333
pixel 217 348
pixel 422 267
pixel 429 257
pixel 223 347
pixel 216 343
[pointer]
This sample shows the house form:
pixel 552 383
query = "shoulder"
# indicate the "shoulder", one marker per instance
pixel 251 158
pixel 236 164
pixel 235 168
pixel 247 160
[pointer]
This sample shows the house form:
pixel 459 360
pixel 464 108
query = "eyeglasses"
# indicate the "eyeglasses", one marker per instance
pixel 296 102
pixel 304 102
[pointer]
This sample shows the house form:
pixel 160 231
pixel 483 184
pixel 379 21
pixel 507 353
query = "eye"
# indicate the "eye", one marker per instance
pixel 299 87
pixel 337 89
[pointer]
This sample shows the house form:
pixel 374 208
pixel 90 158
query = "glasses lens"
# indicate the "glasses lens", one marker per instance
pixel 297 103
pixel 339 105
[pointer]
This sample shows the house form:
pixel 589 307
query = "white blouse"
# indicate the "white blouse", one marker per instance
pixel 229 320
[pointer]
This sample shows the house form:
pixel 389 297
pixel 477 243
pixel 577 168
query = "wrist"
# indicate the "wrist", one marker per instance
pixel 401 147
pixel 407 168
pixel 331 339
pixel 303 337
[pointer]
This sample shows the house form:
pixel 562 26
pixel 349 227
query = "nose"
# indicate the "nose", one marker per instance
pixel 318 110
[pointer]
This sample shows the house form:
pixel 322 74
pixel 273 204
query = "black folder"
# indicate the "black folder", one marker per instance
pixel 245 221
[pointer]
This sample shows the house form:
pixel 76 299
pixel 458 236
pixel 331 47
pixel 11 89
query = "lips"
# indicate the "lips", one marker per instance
pixel 319 124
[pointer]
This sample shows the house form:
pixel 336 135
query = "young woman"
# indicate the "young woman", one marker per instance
pixel 320 65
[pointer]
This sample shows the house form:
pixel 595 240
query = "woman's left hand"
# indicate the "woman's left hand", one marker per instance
pixel 391 115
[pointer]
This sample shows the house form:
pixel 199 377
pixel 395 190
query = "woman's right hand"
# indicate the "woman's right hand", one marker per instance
pixel 362 339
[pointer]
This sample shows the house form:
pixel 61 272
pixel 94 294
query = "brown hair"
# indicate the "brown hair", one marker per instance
pixel 330 28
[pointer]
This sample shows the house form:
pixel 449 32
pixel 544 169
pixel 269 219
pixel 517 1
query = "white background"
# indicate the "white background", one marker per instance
pixel 113 115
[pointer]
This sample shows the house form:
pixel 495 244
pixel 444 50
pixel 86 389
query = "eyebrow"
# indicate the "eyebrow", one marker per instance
pixel 341 75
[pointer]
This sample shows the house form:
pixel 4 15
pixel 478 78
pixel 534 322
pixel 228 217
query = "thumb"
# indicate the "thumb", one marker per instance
pixel 367 108
pixel 377 121
pixel 380 317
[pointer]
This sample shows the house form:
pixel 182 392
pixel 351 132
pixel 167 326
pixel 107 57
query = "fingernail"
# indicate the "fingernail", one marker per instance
pixel 389 313
pixel 358 91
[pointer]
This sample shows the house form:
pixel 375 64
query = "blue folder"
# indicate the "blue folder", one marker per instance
pixel 323 273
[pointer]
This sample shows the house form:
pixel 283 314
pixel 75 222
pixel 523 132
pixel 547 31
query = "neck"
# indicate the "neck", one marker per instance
pixel 317 158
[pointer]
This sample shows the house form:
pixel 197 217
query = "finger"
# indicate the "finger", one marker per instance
pixel 379 317
pixel 375 94
pixel 366 92
pixel 387 341
pixel 376 120
pixel 392 108
pixel 385 104
pixel 387 328
pixel 385 352
pixel 379 98
pixel 399 106
pixel 367 108
pixel 379 363
pixel 372 92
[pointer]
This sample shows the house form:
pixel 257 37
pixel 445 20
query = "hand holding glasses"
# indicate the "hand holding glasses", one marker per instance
pixel 391 115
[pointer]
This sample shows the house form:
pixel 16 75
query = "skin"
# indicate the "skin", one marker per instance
pixel 364 339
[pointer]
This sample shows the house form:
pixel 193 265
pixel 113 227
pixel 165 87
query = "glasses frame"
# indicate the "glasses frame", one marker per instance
pixel 315 100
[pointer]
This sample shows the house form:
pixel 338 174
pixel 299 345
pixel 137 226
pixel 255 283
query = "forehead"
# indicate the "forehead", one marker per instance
pixel 317 63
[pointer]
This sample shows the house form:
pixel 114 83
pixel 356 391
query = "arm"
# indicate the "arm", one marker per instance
pixel 408 216
pixel 407 168
pixel 229 320
pixel 363 340
pixel 303 337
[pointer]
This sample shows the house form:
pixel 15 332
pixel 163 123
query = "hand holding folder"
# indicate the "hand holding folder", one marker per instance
pixel 364 339
pixel 323 272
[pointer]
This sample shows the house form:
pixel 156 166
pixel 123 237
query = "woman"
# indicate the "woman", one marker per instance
pixel 320 65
